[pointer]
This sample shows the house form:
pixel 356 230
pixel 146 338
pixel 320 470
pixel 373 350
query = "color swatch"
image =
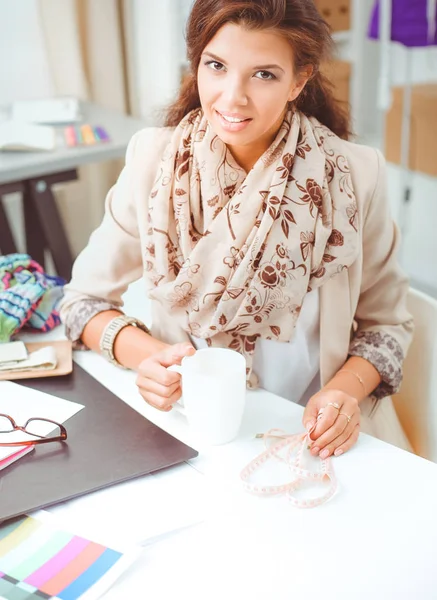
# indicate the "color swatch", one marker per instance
pixel 38 560
pixel 85 135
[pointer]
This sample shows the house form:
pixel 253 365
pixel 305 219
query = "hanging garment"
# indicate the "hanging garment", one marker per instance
pixel 413 22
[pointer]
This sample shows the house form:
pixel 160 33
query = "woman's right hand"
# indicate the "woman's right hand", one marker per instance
pixel 159 387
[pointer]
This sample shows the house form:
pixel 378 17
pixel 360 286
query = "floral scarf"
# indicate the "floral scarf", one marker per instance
pixel 231 255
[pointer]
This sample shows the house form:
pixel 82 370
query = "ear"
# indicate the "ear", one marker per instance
pixel 301 80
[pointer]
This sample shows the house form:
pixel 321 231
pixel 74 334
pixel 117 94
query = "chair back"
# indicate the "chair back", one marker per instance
pixel 416 403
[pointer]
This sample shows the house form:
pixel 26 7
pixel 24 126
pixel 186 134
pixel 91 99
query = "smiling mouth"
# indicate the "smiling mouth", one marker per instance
pixel 229 119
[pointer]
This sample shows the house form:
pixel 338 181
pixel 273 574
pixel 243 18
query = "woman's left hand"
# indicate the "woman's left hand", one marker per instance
pixel 338 422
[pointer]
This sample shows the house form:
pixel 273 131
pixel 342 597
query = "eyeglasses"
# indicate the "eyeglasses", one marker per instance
pixel 32 427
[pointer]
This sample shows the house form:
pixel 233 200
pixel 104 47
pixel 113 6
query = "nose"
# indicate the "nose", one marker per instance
pixel 235 92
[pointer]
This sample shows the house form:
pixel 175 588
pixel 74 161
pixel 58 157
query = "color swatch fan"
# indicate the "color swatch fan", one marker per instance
pixel 40 560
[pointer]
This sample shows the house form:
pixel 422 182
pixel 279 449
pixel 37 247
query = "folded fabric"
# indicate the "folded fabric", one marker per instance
pixel 28 296
pixel 43 359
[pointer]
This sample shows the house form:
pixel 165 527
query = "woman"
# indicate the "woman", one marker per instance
pixel 258 227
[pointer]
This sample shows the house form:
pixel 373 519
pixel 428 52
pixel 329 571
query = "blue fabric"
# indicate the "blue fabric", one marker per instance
pixel 28 296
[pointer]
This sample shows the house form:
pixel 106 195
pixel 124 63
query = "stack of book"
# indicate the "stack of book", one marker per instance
pixel 31 125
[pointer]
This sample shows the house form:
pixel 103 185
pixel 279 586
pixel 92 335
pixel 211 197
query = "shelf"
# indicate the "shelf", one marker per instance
pixel 342 37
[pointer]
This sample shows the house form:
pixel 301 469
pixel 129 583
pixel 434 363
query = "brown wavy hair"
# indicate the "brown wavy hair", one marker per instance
pixel 298 21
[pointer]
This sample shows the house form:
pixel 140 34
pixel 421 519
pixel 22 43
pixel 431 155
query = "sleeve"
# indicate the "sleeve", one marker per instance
pixel 384 325
pixel 110 261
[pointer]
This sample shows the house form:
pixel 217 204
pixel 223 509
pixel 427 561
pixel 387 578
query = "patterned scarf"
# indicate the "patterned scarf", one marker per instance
pixel 28 296
pixel 231 255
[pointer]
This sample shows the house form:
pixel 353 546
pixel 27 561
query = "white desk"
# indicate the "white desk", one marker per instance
pixel 374 540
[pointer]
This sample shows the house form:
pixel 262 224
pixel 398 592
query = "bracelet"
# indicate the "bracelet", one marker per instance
pixel 111 331
pixel 360 379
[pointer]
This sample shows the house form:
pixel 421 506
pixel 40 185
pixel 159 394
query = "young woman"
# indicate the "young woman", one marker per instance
pixel 257 226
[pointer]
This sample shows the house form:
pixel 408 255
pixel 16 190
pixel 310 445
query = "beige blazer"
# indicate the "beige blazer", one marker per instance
pixel 369 298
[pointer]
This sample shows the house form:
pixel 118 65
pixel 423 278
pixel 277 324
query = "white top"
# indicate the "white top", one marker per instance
pixel 290 370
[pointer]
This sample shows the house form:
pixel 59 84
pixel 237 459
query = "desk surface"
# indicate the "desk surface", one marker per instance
pixel 374 540
pixel 17 166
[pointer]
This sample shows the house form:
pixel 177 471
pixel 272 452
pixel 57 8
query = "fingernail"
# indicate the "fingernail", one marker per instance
pixel 309 425
pixel 324 453
pixel 338 452
pixel 315 451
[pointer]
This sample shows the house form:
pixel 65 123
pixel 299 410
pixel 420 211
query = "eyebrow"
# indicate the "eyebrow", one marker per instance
pixel 258 68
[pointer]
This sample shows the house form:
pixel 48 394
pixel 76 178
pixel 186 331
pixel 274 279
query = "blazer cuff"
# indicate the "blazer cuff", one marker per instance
pixel 79 314
pixel 384 352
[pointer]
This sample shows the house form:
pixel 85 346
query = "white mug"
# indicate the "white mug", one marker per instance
pixel 213 393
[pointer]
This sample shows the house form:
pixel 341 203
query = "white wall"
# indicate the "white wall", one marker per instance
pixel 24 74
pixel 158 39
pixel 24 69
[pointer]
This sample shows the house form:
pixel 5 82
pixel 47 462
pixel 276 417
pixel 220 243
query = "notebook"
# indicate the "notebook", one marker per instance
pixel 108 442
pixel 18 136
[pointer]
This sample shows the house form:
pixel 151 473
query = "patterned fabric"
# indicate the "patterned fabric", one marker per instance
pixel 80 313
pixel 231 256
pixel 385 354
pixel 28 296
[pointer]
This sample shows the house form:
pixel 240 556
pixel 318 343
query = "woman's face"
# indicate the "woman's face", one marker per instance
pixel 245 79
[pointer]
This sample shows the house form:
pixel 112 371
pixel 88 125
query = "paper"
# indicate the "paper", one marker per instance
pixel 42 360
pixel 22 403
pixel 140 510
pixel 47 561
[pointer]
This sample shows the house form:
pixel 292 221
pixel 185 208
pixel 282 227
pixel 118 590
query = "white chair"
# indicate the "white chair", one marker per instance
pixel 416 403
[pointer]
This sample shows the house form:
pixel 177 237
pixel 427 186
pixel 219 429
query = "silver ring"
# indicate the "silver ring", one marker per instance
pixel 345 415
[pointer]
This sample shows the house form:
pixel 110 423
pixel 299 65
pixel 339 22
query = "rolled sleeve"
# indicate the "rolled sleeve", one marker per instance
pixel 79 315
pixel 385 353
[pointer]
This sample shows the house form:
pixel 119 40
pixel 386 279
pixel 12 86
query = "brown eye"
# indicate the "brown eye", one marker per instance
pixel 215 65
pixel 265 75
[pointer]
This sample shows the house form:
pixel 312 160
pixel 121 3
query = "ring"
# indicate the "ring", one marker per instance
pixel 345 415
pixel 334 404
